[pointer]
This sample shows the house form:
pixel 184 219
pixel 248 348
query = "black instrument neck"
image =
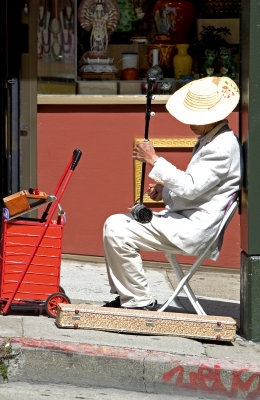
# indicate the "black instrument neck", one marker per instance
pixel 149 94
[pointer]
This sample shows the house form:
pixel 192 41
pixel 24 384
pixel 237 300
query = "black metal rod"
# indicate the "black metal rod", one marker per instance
pixel 149 93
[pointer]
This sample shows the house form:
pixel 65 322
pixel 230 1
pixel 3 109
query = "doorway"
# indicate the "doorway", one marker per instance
pixel 18 95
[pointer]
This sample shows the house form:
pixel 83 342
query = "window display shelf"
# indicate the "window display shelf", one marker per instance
pixel 98 99
pixel 87 48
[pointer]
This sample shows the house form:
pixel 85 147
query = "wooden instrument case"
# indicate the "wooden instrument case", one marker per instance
pixel 86 316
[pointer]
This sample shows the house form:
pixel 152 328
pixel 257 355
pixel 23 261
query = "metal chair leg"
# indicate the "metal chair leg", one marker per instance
pixel 186 287
pixel 189 292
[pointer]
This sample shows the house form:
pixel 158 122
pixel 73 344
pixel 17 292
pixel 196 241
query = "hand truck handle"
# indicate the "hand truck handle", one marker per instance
pixel 77 154
pixel 68 171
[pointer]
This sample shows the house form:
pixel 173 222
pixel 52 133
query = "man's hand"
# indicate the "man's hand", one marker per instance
pixel 145 152
pixel 155 191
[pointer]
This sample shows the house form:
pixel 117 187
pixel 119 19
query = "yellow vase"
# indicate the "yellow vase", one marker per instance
pixel 182 61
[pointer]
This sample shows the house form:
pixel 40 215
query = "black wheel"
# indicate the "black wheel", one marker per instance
pixel 52 301
pixel 61 289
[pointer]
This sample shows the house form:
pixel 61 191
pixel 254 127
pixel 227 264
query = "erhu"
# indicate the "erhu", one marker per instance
pixel 139 212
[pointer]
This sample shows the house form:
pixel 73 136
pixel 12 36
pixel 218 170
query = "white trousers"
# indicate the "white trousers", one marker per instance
pixel 123 239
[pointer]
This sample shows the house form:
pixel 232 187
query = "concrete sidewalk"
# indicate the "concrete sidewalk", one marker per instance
pixel 41 352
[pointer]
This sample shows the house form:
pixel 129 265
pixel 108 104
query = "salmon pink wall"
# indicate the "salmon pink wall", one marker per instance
pixel 103 182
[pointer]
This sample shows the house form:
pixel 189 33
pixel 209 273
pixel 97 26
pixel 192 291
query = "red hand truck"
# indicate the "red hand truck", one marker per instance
pixel 31 255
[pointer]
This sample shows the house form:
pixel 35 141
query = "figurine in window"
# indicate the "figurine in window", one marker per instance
pixel 209 64
pixel 101 18
pixel 98 37
pixel 228 67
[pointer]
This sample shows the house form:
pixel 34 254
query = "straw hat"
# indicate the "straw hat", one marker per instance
pixel 204 101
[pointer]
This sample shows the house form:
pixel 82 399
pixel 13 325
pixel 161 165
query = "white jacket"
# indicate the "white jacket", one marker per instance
pixel 195 199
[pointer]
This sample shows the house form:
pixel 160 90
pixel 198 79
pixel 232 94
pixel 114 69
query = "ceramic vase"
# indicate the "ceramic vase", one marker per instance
pixel 165 54
pixel 182 61
pixel 174 19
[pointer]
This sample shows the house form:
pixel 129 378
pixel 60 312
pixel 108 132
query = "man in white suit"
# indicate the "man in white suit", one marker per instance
pixel 195 199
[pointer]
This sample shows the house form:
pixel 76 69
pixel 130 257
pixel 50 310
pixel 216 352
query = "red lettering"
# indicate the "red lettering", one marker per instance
pixel 206 379
pixel 169 375
pixel 244 386
pixel 180 378
pixel 209 379
pixel 193 380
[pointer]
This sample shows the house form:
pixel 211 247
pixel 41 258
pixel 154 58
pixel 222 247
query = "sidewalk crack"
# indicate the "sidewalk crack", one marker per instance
pixel 22 326
pixel 144 382
pixel 144 371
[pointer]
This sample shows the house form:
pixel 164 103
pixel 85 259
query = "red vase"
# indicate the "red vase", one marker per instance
pixel 174 19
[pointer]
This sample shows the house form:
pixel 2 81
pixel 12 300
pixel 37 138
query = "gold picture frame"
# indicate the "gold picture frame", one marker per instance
pixel 158 143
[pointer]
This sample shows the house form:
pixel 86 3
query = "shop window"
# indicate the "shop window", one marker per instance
pixel 106 47
pixel 56 47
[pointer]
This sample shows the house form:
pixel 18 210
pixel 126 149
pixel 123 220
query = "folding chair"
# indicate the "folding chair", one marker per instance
pixel 184 279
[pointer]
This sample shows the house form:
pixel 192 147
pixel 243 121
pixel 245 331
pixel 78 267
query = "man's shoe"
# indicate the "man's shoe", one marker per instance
pixel 150 307
pixel 114 303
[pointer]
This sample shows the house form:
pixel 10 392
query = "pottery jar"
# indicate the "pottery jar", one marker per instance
pixel 182 61
pixel 130 66
pixel 174 19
